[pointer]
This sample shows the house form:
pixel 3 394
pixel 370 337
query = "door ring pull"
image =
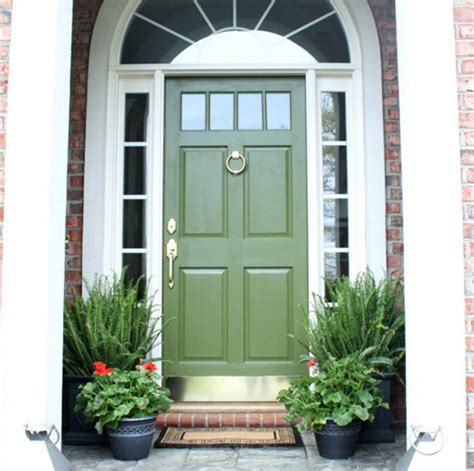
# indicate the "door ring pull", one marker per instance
pixel 235 156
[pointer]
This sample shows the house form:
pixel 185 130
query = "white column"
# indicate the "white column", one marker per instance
pixel 434 276
pixel 34 229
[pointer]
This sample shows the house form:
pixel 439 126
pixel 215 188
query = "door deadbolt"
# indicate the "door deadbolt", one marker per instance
pixel 171 226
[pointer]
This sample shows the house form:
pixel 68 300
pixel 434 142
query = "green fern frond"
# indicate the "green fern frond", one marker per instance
pixel 116 323
pixel 364 317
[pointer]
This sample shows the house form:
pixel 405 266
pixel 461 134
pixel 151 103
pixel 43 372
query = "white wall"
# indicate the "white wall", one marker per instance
pixel 34 235
pixel 434 273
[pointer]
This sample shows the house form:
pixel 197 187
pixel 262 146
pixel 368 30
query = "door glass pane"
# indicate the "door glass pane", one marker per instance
pixel 219 13
pixel 136 266
pixel 335 169
pixel 336 228
pixel 133 224
pixel 193 112
pixel 134 171
pixel 222 111
pixel 335 265
pixel 136 110
pixel 249 13
pixel 326 41
pixel 278 111
pixel 333 109
pixel 250 111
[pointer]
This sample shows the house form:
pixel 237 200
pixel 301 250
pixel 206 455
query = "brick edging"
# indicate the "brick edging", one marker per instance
pixel 191 420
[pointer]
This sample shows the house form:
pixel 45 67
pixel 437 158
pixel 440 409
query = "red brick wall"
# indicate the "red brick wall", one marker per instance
pixel 464 32
pixel 85 13
pixel 5 22
pixel 384 14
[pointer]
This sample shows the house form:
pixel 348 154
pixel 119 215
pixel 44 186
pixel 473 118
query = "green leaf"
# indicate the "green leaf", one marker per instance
pixel 342 418
pixel 365 396
pixel 335 397
pixel 361 412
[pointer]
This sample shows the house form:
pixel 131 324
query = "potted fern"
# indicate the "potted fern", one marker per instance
pixel 116 323
pixel 364 317
pixel 334 403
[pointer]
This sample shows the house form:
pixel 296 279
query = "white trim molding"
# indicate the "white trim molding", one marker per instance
pixel 369 105
pixel 434 272
pixel 102 93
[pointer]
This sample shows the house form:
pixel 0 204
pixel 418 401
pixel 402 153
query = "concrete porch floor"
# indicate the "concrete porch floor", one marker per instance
pixel 380 457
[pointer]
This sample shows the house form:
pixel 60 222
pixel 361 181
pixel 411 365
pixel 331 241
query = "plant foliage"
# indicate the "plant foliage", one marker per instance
pixel 362 317
pixel 114 322
pixel 345 390
pixel 115 394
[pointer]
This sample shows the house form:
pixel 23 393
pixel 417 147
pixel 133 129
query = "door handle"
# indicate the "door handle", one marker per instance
pixel 171 255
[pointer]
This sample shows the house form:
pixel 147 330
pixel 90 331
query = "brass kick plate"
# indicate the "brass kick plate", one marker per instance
pixel 226 388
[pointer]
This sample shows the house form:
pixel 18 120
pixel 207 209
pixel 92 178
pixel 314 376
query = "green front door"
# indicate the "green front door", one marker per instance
pixel 240 276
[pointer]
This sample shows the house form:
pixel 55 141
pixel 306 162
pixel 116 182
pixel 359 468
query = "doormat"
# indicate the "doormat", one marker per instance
pixel 232 437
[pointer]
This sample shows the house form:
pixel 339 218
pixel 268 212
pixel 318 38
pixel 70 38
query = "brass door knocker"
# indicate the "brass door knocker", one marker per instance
pixel 236 155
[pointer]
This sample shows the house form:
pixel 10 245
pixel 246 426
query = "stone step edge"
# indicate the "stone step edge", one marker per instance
pixel 190 420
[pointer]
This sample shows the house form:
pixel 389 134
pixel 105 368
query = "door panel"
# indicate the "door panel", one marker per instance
pixel 204 324
pixel 268 192
pixel 268 296
pixel 241 271
pixel 203 205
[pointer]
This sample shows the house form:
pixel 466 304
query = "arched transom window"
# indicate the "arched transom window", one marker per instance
pixel 161 30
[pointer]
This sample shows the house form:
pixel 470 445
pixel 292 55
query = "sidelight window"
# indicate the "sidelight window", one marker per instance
pixel 134 195
pixel 335 183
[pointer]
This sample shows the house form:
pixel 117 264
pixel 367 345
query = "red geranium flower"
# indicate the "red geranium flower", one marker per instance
pixel 149 366
pixel 101 369
pixel 311 363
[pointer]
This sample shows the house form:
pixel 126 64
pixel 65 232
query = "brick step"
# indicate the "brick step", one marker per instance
pixel 268 419
pixel 223 415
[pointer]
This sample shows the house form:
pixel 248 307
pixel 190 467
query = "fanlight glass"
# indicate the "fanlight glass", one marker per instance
pixel 161 30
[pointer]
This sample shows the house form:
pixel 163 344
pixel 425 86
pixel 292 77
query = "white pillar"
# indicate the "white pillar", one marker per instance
pixel 34 228
pixel 434 276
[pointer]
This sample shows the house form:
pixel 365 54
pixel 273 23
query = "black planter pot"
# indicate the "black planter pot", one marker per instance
pixel 336 442
pixel 379 430
pixel 132 439
pixel 76 431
